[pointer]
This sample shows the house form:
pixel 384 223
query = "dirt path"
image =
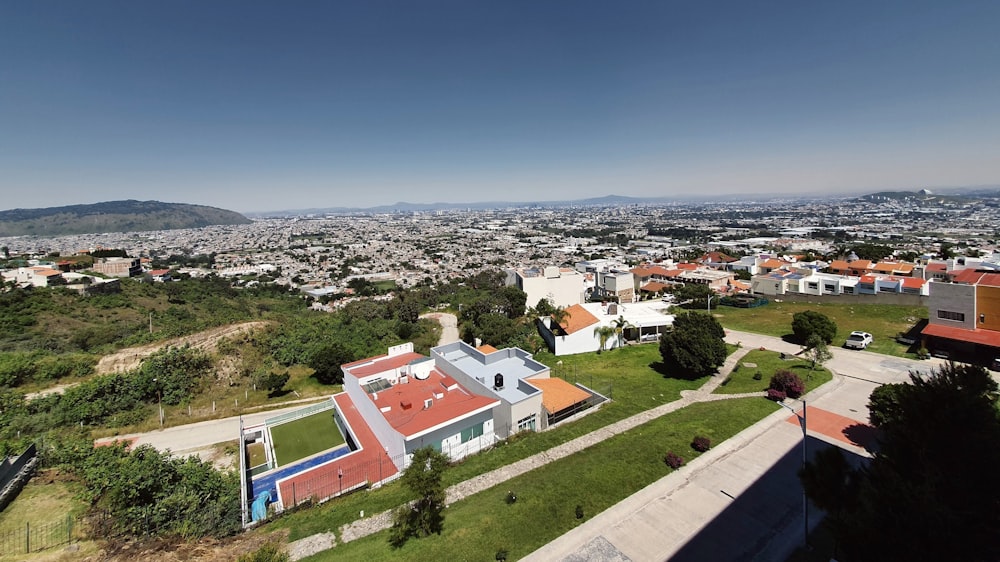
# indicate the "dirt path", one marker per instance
pixel 449 326
pixel 130 358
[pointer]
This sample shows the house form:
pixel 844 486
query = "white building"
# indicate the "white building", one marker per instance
pixel 561 286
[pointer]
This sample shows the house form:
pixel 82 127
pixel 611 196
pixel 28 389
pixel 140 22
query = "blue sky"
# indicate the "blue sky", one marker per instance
pixel 270 106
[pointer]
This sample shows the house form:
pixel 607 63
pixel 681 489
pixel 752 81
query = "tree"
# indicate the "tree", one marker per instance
pixel 809 322
pixel 694 295
pixel 424 515
pixel 932 489
pixel 816 351
pixel 695 346
pixel 273 382
pixel 620 324
pixel 603 333
pixel 559 316
pixel 326 360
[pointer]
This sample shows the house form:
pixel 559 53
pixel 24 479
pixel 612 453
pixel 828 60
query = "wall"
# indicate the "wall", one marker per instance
pixel 952 297
pixel 881 298
pixel 988 305
pixel 386 435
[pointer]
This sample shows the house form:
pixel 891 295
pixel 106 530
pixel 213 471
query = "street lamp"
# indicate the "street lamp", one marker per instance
pixel 805 500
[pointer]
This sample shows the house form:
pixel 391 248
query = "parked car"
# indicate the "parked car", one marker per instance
pixel 995 365
pixel 858 340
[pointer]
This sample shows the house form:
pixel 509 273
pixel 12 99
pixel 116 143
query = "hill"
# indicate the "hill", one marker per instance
pixel 113 216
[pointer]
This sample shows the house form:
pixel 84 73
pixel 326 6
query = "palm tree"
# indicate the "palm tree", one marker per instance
pixel 603 333
pixel 619 325
pixel 559 315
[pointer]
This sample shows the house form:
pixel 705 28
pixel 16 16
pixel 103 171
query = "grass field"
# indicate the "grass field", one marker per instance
pixel 303 437
pixel 883 321
pixel 595 479
pixel 741 379
pixel 44 503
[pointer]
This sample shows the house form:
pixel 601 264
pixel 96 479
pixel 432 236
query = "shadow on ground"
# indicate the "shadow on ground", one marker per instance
pixel 749 528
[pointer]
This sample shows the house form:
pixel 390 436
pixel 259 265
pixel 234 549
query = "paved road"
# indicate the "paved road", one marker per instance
pixel 741 500
pixel 195 437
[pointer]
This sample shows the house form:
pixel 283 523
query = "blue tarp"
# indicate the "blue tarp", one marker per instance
pixel 259 508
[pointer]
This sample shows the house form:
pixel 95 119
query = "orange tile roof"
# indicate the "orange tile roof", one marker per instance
pixel 405 403
pixel 860 264
pixel 381 363
pixel 641 271
pixel 577 318
pixel 654 286
pixel 839 264
pixel 687 266
pixel 913 282
pixel 985 337
pixel 973 277
pixel 486 349
pixel 772 263
pixel 558 394
pixel 660 270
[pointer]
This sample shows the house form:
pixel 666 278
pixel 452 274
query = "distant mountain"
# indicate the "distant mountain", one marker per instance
pixel 113 216
pixel 403 207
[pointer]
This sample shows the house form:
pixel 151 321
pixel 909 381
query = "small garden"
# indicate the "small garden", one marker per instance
pixel 753 373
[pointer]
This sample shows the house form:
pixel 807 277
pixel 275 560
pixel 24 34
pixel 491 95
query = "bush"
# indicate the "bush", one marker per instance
pixel 579 511
pixel 787 382
pixel 758 376
pixel 673 460
pixel 701 444
pixel 270 552
pixel 775 394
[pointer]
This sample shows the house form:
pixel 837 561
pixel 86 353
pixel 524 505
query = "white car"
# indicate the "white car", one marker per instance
pixel 858 340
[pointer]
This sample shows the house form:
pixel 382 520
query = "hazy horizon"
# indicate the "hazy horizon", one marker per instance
pixel 256 107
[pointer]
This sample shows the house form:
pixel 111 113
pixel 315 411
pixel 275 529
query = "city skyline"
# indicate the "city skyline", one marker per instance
pixel 254 108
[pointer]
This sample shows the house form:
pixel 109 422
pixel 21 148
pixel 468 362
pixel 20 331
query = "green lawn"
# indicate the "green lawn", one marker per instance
pixel 628 372
pixel 741 379
pixel 595 479
pixel 306 436
pixel 883 321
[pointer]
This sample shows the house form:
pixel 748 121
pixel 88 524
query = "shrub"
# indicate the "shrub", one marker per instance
pixel 775 394
pixel 579 511
pixel 511 498
pixel 701 444
pixel 787 382
pixel 270 552
pixel 673 460
pixel 758 376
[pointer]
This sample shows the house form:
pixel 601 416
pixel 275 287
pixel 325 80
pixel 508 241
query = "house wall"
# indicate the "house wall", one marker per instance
pixel 391 439
pixel 581 341
pixel 952 297
pixel 448 439
pixel 988 307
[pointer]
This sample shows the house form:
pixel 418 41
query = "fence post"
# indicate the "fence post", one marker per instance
pixel 27 537
pixel 294 503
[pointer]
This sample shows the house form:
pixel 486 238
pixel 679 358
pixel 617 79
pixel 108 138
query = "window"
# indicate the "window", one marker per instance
pixel 949 315
pixel 471 433
pixel 527 423
pixel 830 288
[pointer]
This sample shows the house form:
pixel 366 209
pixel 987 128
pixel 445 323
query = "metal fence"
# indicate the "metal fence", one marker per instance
pixel 34 538
pixel 300 413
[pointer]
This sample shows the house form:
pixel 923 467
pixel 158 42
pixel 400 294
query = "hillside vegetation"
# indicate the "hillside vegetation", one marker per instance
pixel 113 216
